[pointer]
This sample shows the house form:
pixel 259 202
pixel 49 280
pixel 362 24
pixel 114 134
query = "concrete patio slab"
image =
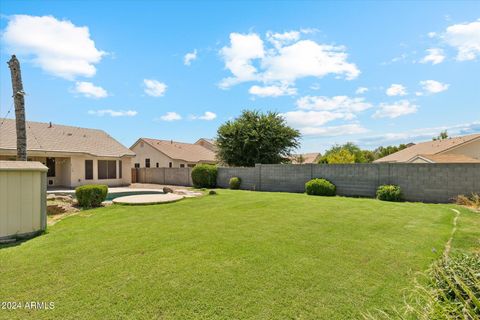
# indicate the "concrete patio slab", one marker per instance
pixel 143 199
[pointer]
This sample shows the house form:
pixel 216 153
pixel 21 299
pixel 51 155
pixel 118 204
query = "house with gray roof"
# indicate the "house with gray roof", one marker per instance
pixel 74 156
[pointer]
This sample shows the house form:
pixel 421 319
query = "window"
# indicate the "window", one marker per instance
pixel 107 169
pixel 182 165
pixel 158 165
pixel 191 165
pixel 51 167
pixel 147 163
pixel 88 169
pixel 169 164
pixel 137 165
pixel 120 169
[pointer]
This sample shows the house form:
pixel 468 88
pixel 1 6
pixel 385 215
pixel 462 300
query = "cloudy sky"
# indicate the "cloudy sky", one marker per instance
pixel 368 72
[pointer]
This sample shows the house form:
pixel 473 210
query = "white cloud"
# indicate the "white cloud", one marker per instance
pixel 434 55
pixel 208 115
pixel 396 90
pixel 432 86
pixel 465 38
pixel 281 39
pixel 395 110
pixel 171 116
pixel 361 90
pixel 336 103
pixel 346 129
pixel 300 118
pixel 432 34
pixel 154 88
pixel 420 134
pixel 57 46
pixel 272 91
pixel 113 113
pixel 238 57
pixel 189 57
pixel 90 90
pixel 289 59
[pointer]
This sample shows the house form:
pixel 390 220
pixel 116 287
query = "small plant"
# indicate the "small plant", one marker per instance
pixel 92 195
pixel 204 176
pixel 389 193
pixel 212 192
pixel 235 183
pixel 320 187
pixel 472 201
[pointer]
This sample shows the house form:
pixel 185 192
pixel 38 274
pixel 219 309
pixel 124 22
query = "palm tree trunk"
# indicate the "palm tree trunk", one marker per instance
pixel 19 101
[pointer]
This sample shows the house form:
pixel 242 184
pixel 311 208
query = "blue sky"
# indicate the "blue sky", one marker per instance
pixel 370 72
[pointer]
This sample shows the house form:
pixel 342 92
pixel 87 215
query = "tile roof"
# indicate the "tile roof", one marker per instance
pixel 427 148
pixel 182 151
pixel 307 157
pixel 58 138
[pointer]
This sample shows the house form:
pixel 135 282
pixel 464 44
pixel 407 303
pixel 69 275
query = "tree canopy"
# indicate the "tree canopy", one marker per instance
pixel 256 137
pixel 443 135
pixel 351 153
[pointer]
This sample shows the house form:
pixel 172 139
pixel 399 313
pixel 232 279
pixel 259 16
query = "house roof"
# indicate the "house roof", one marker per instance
pixel 58 138
pixel 447 158
pixel 428 148
pixel 307 157
pixel 182 151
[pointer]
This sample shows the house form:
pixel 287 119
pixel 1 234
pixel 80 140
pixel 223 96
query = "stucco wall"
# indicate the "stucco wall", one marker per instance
pixel 22 202
pixel 78 171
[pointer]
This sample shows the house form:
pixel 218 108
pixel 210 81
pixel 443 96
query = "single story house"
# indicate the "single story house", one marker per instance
pixel 74 156
pixel 170 154
pixel 303 158
pixel 207 143
pixel 464 149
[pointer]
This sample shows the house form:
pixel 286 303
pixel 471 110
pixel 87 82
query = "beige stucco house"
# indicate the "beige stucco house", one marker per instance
pixel 150 153
pixel 464 149
pixel 304 158
pixel 74 156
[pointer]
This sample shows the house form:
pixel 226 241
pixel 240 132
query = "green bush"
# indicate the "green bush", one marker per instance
pixel 204 176
pixel 235 182
pixel 389 193
pixel 92 195
pixel 320 187
pixel 212 192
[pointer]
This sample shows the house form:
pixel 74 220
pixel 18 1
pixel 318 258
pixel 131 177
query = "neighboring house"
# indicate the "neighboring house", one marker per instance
pixel 74 156
pixel 465 149
pixel 152 153
pixel 306 158
pixel 207 143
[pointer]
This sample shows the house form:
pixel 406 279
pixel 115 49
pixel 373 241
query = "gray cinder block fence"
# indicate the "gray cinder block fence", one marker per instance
pixel 419 182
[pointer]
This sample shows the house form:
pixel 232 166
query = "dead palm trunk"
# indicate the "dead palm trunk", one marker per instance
pixel 19 101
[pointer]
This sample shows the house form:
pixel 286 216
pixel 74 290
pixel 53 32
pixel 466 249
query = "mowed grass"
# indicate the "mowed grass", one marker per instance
pixel 235 255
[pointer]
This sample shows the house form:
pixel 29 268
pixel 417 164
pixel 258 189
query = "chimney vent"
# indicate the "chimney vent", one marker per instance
pixel 50 124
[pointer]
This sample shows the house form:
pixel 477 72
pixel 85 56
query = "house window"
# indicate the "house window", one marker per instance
pixel 147 163
pixel 169 164
pixel 191 165
pixel 88 169
pixel 107 169
pixel 120 169
pixel 158 165
pixel 51 167
pixel 137 165
pixel 182 165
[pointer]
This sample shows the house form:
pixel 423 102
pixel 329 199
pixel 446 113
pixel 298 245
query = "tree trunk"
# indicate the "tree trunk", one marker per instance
pixel 19 101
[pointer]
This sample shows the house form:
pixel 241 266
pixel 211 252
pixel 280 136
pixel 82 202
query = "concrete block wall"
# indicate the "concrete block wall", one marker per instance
pixel 419 182
pixel 168 176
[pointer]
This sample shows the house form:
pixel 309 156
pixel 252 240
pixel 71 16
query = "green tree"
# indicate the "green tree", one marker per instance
pixel 339 156
pixel 381 152
pixel 443 135
pixel 343 153
pixel 256 137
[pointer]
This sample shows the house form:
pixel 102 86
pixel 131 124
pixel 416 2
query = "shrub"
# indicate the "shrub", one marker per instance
pixel 472 201
pixel 212 192
pixel 235 183
pixel 320 187
pixel 92 195
pixel 389 193
pixel 204 176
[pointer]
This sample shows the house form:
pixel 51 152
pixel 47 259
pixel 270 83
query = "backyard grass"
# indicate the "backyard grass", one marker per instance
pixel 234 255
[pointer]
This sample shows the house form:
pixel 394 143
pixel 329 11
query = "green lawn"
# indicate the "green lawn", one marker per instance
pixel 235 255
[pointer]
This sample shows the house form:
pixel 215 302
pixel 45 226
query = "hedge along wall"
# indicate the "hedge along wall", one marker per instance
pixel 419 182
